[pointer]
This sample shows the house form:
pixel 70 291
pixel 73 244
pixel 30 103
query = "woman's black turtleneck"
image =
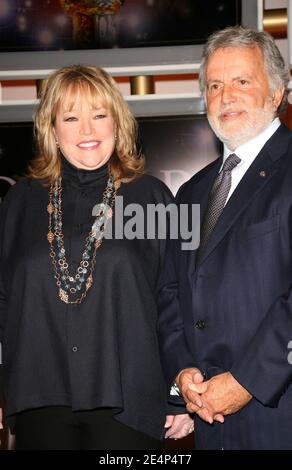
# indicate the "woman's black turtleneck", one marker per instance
pixel 83 178
pixel 82 189
pixel 103 352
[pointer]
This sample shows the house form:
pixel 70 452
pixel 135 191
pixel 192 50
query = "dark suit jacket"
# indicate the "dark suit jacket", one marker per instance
pixel 241 292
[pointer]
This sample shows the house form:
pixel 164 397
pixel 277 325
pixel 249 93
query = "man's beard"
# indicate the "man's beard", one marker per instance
pixel 252 126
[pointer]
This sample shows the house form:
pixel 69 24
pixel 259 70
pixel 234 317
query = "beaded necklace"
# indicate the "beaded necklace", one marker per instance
pixel 73 289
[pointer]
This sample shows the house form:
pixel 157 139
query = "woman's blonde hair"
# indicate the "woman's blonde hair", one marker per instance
pixel 125 163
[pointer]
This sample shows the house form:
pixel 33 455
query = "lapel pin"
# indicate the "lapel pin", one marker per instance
pixel 263 174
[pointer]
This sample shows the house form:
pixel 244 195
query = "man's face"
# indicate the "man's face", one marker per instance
pixel 240 103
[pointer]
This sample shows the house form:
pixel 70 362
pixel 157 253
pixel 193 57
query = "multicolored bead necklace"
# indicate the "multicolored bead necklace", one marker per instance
pixel 73 289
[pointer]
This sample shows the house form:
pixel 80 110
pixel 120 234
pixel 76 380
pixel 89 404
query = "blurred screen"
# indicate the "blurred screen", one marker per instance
pixel 32 25
pixel 177 147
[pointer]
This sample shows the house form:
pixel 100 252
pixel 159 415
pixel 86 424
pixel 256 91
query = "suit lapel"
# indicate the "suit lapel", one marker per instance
pixel 257 176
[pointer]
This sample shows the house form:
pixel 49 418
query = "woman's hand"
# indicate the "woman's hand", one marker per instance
pixel 178 426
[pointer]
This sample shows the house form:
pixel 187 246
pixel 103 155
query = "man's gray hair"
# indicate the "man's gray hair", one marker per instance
pixel 237 36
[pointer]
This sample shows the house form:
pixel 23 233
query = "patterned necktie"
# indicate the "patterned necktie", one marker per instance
pixel 217 199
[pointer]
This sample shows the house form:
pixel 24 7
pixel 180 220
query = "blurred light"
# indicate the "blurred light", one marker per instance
pixel 133 21
pixel 21 19
pixel 138 20
pixel 22 23
pixel 7 8
pixel 46 37
pixel 62 20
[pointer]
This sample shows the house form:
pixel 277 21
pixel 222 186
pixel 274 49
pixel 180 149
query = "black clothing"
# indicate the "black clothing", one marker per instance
pixel 103 352
pixel 4 188
pixel 60 428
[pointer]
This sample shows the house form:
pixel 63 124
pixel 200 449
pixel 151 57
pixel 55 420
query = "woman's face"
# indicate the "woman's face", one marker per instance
pixel 85 133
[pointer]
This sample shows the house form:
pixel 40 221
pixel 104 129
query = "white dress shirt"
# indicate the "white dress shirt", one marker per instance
pixel 247 153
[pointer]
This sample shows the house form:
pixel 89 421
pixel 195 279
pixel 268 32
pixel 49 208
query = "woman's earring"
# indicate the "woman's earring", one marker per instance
pixel 57 144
